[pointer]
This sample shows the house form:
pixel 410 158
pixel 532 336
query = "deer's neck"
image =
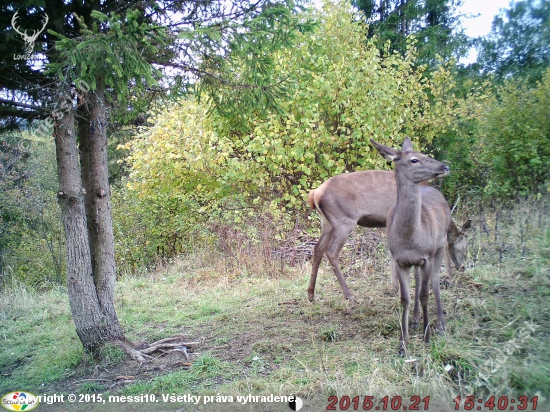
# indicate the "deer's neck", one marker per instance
pixel 408 208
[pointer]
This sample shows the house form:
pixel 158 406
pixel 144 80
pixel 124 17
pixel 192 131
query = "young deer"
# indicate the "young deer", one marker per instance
pixel 364 199
pixel 417 231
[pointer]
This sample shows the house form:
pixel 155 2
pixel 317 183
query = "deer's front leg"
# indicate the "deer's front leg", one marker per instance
pixel 416 310
pixel 426 276
pixel 404 283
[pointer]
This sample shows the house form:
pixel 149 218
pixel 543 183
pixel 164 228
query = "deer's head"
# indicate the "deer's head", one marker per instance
pixel 456 236
pixel 410 165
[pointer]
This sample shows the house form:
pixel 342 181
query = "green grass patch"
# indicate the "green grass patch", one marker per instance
pixel 39 341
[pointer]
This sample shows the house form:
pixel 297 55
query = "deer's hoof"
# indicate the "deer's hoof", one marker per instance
pixel 440 328
pixel 402 351
pixel 310 297
pixel 445 282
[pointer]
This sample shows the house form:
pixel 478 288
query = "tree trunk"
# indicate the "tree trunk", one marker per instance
pixel 93 138
pixel 403 18
pixel 1 267
pixel 93 325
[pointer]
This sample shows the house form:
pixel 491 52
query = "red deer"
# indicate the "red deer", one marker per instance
pixel 364 199
pixel 417 232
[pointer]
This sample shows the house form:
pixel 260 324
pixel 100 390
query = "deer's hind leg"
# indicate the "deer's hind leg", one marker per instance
pixel 394 279
pixel 339 237
pixel 318 253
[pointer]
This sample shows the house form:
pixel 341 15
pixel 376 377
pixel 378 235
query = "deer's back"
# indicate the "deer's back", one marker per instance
pixel 364 197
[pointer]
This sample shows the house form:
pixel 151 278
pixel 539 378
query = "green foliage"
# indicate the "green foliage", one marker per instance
pixel 13 174
pixel 519 42
pixel 173 185
pixel 514 139
pixel 454 145
pixel 343 94
pixel 192 168
pixel 239 72
pixel 433 23
pixel 117 58
pixel 31 239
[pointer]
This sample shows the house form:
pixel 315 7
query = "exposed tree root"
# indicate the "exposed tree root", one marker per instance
pixel 164 346
pixel 134 353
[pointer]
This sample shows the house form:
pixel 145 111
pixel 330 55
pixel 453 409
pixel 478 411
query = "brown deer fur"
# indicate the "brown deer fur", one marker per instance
pixel 361 198
pixel 417 231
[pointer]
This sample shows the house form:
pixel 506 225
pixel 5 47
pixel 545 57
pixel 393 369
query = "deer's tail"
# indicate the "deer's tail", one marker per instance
pixel 311 199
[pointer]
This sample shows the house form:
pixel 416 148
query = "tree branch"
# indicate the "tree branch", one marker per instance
pixel 23 105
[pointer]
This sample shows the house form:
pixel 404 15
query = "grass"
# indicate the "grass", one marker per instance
pixel 259 335
pixel 40 344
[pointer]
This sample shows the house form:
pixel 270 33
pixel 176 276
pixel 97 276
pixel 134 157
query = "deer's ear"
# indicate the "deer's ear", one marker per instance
pixel 407 145
pixel 387 153
pixel 467 226
pixel 452 232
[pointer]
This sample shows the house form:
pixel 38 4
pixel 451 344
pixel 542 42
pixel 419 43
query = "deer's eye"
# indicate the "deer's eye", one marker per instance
pixel 414 160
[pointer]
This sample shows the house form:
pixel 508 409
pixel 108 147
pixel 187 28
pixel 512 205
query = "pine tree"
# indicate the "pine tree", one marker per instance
pixel 433 23
pixel 519 42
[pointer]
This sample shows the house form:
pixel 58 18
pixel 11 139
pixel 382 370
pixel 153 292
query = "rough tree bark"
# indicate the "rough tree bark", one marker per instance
pixel 92 126
pixel 94 325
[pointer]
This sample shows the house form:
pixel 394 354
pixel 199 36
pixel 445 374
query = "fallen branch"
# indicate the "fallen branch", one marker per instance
pixel 155 348
pixel 172 338
pixel 125 378
pixel 86 380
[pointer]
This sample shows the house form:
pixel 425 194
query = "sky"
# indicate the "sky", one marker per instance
pixel 480 25
pixel 485 10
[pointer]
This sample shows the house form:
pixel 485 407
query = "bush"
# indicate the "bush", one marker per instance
pixel 192 170
pixel 514 139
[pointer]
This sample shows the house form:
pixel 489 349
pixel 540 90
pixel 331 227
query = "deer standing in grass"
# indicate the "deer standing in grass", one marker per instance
pixel 417 231
pixel 364 199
